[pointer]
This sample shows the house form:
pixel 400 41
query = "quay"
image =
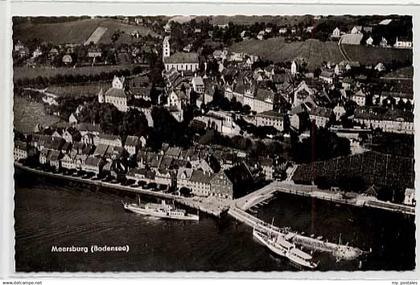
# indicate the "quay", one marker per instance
pixel 359 200
pixel 208 206
pixel 339 251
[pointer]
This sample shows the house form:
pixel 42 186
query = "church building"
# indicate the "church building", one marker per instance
pixel 115 95
pixel 181 61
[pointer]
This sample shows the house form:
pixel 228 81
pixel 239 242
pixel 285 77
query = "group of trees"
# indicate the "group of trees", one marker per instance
pixel 68 79
pixel 113 121
pixel 320 145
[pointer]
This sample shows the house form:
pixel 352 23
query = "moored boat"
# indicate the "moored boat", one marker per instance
pixel 162 211
pixel 277 243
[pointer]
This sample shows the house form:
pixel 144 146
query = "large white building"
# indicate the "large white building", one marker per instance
pixel 181 61
pixel 115 95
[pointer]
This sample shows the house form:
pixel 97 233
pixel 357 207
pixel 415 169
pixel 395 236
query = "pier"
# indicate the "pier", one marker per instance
pixel 358 200
pixel 337 250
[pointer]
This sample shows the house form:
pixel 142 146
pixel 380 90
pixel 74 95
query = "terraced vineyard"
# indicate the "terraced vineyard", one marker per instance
pixel 277 50
pixel 373 55
pixel 375 168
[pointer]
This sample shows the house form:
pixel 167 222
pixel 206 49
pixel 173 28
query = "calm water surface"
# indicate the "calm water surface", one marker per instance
pixel 50 212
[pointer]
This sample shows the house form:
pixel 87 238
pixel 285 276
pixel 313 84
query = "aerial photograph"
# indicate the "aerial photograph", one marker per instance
pixel 184 143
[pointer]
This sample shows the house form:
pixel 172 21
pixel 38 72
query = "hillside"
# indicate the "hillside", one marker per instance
pixel 76 31
pixel 277 50
pixel 373 55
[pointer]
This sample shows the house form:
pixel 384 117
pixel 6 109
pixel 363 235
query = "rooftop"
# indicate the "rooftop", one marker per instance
pixel 182 57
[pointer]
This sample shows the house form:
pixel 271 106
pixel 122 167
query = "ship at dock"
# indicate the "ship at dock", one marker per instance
pixel 276 243
pixel 160 210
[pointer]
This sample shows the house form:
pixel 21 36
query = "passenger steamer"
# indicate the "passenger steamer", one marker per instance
pixel 280 246
pixel 162 211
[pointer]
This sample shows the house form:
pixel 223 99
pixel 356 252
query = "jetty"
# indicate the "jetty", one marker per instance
pixel 341 252
pixel 357 200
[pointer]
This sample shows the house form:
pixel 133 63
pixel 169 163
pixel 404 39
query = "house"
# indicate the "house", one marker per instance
pixel 68 161
pixel 347 83
pixel 327 76
pixel 20 150
pixel 410 197
pixel 199 183
pixel 53 158
pixel 356 30
pixel 94 53
pixel 221 186
pixel 43 156
pixel 392 120
pixel 260 35
pixel 219 121
pixel 220 55
pixel 183 177
pixel 198 84
pixel 93 164
pixel 52 53
pixel 359 97
pixel 336 33
pixel 110 140
pixel 267 167
pixel 37 52
pixel 301 93
pixel 115 95
pixel 320 115
pixel 383 43
pixel 283 31
pixel 132 144
pixel 380 67
pixel 403 43
pixel 140 174
pixel 71 135
pixel 339 111
pixel 369 41
pixel 73 119
pixel 270 119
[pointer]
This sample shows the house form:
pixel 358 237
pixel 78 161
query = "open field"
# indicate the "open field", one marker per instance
pixel 373 55
pixel 27 114
pixel 21 72
pixel 76 31
pixel 277 50
pixel 79 90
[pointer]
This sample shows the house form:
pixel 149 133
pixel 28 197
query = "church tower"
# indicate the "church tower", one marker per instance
pixel 293 68
pixel 101 96
pixel 166 52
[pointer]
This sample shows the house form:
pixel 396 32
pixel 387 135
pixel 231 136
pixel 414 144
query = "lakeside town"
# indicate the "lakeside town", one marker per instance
pixel 193 108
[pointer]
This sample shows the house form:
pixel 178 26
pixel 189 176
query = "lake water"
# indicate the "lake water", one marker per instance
pixel 51 212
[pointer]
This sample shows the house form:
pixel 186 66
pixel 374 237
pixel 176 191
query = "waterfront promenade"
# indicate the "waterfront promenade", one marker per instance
pixel 210 206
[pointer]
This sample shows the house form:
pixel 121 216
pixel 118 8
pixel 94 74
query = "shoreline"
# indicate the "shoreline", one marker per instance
pixel 192 203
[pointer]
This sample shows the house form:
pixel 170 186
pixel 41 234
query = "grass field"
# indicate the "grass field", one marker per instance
pixel 76 31
pixel 21 72
pixel 277 50
pixel 373 55
pixel 79 90
pixel 27 114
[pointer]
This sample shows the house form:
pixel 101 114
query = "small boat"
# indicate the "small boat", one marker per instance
pixel 162 211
